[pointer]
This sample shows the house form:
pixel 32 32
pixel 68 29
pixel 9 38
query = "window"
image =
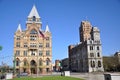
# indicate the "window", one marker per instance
pixel 91 47
pixel 92 63
pixel 32 38
pixel 47 45
pixel 47 38
pixel 25 44
pixel 25 53
pixel 33 31
pixel 17 63
pixel 18 38
pixel 99 63
pixel 24 69
pixel 33 63
pixel 34 18
pixel 47 69
pixel 40 45
pixel 48 53
pixel 17 44
pixel 33 45
pixel 40 53
pixel 17 53
pixel 32 53
pixel 47 62
pixel 40 62
pixel 98 48
pixel 91 54
pixel 98 54
pixel 25 63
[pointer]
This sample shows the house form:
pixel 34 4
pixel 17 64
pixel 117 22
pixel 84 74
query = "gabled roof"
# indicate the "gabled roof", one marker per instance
pixel 34 12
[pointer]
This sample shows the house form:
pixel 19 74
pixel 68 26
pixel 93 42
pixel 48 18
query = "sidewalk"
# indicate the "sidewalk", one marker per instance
pixel 89 76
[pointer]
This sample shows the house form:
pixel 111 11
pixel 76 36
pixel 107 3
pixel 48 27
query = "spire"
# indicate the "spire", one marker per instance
pixel 34 12
pixel 47 28
pixel 19 28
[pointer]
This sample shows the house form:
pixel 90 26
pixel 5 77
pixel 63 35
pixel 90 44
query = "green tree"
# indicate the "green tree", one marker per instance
pixel 110 63
pixel 0 48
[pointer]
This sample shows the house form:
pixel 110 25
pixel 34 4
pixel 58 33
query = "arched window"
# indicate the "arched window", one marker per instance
pixel 47 61
pixel 99 63
pixel 33 31
pixel 98 54
pixel 92 63
pixel 98 48
pixel 17 62
pixel 33 63
pixel 25 63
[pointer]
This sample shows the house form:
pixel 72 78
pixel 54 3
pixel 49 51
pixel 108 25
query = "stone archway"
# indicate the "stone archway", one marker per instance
pixel 33 67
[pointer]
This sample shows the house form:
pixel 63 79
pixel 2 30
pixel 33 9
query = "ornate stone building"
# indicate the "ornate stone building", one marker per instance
pixel 86 56
pixel 33 46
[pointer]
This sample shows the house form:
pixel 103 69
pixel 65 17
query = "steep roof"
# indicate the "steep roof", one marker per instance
pixel 34 12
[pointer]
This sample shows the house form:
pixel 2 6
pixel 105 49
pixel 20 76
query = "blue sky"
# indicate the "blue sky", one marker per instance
pixel 63 18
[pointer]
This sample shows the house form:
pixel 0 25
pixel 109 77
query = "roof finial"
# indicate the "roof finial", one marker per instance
pixel 19 28
pixel 47 28
pixel 86 18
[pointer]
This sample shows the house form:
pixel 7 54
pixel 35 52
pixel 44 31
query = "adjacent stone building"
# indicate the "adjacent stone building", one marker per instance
pixel 86 56
pixel 33 46
pixel 117 56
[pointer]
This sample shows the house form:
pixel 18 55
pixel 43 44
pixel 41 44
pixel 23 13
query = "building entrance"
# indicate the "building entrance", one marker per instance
pixel 33 67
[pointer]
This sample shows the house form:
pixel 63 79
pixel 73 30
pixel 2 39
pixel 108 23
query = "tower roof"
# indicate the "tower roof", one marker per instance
pixel 47 28
pixel 34 12
pixel 19 28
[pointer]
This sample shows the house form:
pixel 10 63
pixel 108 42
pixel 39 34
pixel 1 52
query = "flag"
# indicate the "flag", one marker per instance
pixel 41 34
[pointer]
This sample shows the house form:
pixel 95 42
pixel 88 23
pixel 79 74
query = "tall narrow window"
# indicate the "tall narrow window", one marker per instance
pixel 17 53
pixel 47 62
pixel 47 45
pixel 34 18
pixel 40 53
pixel 98 54
pixel 99 63
pixel 92 64
pixel 17 44
pixel 25 53
pixel 98 48
pixel 48 53
pixel 32 53
pixel 17 63
pixel 91 47
pixel 25 63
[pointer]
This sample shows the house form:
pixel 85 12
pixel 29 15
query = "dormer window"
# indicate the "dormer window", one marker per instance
pixel 34 18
